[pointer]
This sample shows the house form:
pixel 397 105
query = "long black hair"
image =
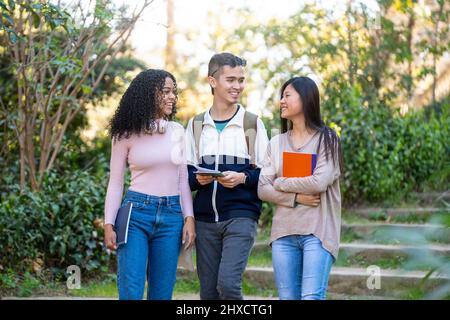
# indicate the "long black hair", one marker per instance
pixel 139 106
pixel 309 95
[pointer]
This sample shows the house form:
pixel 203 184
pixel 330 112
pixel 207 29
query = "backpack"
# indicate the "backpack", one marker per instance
pixel 250 122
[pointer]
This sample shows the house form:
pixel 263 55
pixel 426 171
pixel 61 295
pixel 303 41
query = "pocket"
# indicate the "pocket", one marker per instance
pixel 248 226
pixel 175 208
pixel 136 204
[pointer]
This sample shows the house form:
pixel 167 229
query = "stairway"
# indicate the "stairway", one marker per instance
pixel 406 244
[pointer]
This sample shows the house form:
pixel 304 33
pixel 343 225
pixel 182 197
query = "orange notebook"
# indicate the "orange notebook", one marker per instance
pixel 297 165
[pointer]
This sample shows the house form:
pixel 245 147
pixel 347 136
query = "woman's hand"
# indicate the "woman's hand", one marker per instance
pixel 110 237
pixel 277 183
pixel 204 180
pixel 189 232
pixel 312 200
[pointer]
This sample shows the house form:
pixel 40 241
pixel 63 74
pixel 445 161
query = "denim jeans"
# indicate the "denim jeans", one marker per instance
pixel 301 266
pixel 152 249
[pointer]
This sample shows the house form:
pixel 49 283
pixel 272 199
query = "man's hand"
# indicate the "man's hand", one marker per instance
pixel 110 237
pixel 312 200
pixel 204 180
pixel 231 179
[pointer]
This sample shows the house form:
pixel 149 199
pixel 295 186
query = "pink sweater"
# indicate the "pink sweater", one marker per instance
pixel 157 168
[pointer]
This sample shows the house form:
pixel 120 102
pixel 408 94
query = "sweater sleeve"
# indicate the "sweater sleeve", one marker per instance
pixel 185 190
pixel 266 191
pixel 191 157
pixel 325 173
pixel 119 155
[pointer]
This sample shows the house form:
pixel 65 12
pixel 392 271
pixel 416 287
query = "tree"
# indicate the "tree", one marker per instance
pixel 170 41
pixel 59 60
pixel 439 34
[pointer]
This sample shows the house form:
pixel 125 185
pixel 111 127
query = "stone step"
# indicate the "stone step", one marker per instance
pixel 400 232
pixel 196 296
pixel 380 213
pixel 432 197
pixel 330 296
pixel 375 252
pixel 394 233
pixel 341 296
pixel 354 281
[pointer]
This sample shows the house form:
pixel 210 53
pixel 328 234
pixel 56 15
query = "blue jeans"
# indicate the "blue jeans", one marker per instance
pixel 301 266
pixel 152 249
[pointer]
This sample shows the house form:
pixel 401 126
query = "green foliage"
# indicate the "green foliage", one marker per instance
pixel 387 155
pixel 266 214
pixel 66 57
pixel 61 224
pixel 102 286
pixel 428 260
pixel 22 285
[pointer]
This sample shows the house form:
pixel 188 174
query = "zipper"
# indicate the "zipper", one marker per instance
pixel 216 166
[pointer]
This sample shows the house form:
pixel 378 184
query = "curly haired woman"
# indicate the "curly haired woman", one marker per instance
pixel 162 216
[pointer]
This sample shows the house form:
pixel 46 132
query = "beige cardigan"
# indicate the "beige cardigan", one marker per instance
pixel 291 218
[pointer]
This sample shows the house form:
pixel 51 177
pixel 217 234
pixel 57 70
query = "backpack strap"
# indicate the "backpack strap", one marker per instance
pixel 197 127
pixel 250 130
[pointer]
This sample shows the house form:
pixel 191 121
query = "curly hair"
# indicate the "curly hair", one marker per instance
pixel 139 106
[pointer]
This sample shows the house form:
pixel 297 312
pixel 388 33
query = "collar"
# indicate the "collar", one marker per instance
pixel 237 120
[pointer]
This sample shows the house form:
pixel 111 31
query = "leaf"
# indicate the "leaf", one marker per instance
pixel 36 19
pixel 37 6
pixel 8 18
pixel 62 249
pixel 12 5
pixel 86 89
pixel 55 208
pixel 12 36
pixel 3 6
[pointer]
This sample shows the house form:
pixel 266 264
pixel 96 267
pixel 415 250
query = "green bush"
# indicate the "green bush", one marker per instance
pixel 56 227
pixel 20 285
pixel 387 155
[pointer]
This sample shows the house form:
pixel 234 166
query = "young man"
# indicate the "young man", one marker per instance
pixel 231 140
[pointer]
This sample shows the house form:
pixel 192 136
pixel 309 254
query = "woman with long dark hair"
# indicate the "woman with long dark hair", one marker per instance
pixel 144 135
pixel 306 224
